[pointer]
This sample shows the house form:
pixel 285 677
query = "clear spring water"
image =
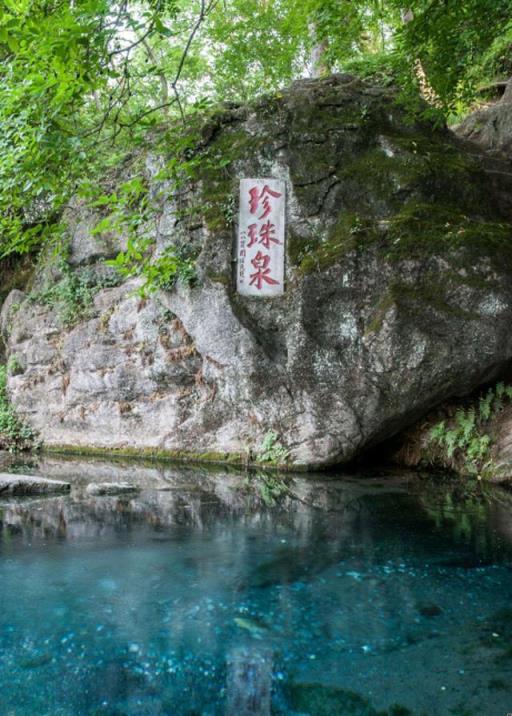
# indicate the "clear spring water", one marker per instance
pixel 218 594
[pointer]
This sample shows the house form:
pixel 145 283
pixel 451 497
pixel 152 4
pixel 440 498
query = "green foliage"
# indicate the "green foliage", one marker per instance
pixel 464 439
pixel 73 294
pixel 379 67
pixel 454 42
pixel 14 434
pixel 50 57
pixel 176 263
pixel 83 84
pixel 14 366
pixel 272 450
pixel 496 61
pixel 131 214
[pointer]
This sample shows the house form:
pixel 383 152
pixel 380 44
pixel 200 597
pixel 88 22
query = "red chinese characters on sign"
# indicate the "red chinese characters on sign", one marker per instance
pixel 260 263
pixel 252 232
pixel 257 196
pixel 268 235
pixel 261 237
pixel 265 236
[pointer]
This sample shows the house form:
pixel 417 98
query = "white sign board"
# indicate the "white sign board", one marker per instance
pixel 261 238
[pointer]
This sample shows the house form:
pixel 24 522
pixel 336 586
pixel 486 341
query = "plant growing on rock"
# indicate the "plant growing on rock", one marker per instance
pixel 83 83
pixel 176 263
pixel 14 366
pixel 272 450
pixel 73 294
pixel 464 439
pixel 14 434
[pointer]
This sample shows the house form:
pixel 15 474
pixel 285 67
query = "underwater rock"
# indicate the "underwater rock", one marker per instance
pixel 249 681
pixel 429 610
pixel 496 631
pixel 30 485
pixel 36 661
pixel 292 565
pixel 319 700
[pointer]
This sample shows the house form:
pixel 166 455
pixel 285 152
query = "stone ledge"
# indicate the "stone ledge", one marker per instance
pixel 30 485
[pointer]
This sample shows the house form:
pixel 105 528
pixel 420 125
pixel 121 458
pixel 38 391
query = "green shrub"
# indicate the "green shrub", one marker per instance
pixel 14 434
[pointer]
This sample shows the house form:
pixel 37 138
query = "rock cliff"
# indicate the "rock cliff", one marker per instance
pixel 491 126
pixel 398 293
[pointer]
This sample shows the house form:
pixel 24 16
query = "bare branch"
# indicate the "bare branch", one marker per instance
pixel 180 106
pixel 205 10
pixel 190 39
pixel 161 75
pixel 120 96
pixel 137 119
pixel 137 42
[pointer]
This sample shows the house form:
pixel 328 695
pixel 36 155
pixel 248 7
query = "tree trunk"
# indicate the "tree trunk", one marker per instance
pixel 319 64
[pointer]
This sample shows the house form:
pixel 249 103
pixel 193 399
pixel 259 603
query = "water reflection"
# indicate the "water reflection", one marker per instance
pixel 220 592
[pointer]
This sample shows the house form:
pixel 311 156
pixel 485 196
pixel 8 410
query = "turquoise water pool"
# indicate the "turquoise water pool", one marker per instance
pixel 222 594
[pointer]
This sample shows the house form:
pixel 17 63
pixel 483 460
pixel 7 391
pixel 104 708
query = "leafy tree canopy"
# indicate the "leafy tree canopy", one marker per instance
pixel 82 81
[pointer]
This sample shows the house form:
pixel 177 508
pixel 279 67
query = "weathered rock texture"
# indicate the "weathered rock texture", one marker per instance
pixel 398 294
pixel 489 131
pixel 491 126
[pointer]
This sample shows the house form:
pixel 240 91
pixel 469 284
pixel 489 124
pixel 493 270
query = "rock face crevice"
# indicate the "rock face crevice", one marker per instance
pixel 398 294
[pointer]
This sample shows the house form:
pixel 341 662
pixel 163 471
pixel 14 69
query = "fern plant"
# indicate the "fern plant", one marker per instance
pixel 272 450
pixel 464 438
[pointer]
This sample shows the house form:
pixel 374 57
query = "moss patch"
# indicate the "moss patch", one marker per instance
pixel 421 229
pixel 411 192
pixel 221 278
pixel 417 231
pixel 218 186
pixel 178 456
pixel 414 299
pixel 350 232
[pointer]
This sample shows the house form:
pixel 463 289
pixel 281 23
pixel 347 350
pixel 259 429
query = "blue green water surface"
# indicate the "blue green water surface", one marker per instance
pixel 222 594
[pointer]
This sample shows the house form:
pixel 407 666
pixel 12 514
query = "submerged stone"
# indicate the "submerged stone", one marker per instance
pixel 30 485
pixel 290 566
pixel 319 700
pixel 249 681
pixel 429 610
pixel 497 630
pixel 34 662
pixel 255 627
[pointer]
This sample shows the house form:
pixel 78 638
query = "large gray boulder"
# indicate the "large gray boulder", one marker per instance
pixel 491 126
pixel 398 295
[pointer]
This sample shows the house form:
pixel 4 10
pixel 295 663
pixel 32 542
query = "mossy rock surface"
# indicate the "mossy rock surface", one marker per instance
pixel 397 292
